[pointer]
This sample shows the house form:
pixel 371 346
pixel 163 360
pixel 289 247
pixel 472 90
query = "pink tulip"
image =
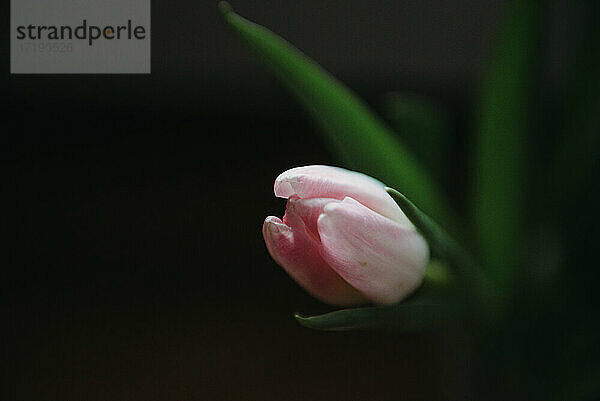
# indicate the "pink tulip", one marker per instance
pixel 343 238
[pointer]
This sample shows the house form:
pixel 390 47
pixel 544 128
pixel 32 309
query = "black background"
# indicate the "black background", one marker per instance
pixel 133 266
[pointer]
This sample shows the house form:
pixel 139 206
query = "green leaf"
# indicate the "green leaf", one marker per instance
pixel 355 134
pixel 467 274
pixel 400 317
pixel 500 156
pixel 424 126
pixel 434 303
pixel 441 245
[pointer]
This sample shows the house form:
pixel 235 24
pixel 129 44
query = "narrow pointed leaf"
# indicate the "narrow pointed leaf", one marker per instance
pixel 400 317
pixel 442 246
pixel 355 134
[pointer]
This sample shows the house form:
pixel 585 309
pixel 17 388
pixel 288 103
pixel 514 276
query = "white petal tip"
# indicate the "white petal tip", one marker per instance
pixel 283 187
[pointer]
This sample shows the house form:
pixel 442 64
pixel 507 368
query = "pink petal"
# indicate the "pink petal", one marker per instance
pixel 337 183
pixel 381 258
pixel 308 210
pixel 298 254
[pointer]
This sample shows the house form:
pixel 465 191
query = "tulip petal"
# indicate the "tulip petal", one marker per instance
pixel 293 249
pixel 337 183
pixel 308 210
pixel 381 258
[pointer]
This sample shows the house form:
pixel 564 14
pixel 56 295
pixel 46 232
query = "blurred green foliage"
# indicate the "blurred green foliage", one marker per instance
pixel 499 169
pixel 354 133
pixel 533 201
pixel 423 124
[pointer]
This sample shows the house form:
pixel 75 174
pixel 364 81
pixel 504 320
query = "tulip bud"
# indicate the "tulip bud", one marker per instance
pixel 343 238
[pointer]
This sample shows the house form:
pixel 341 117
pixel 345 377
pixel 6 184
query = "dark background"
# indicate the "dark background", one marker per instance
pixel 133 266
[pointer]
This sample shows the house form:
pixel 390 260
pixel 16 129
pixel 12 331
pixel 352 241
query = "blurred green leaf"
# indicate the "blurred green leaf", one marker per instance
pixel 500 156
pixel 423 125
pixel 432 305
pixel 360 139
